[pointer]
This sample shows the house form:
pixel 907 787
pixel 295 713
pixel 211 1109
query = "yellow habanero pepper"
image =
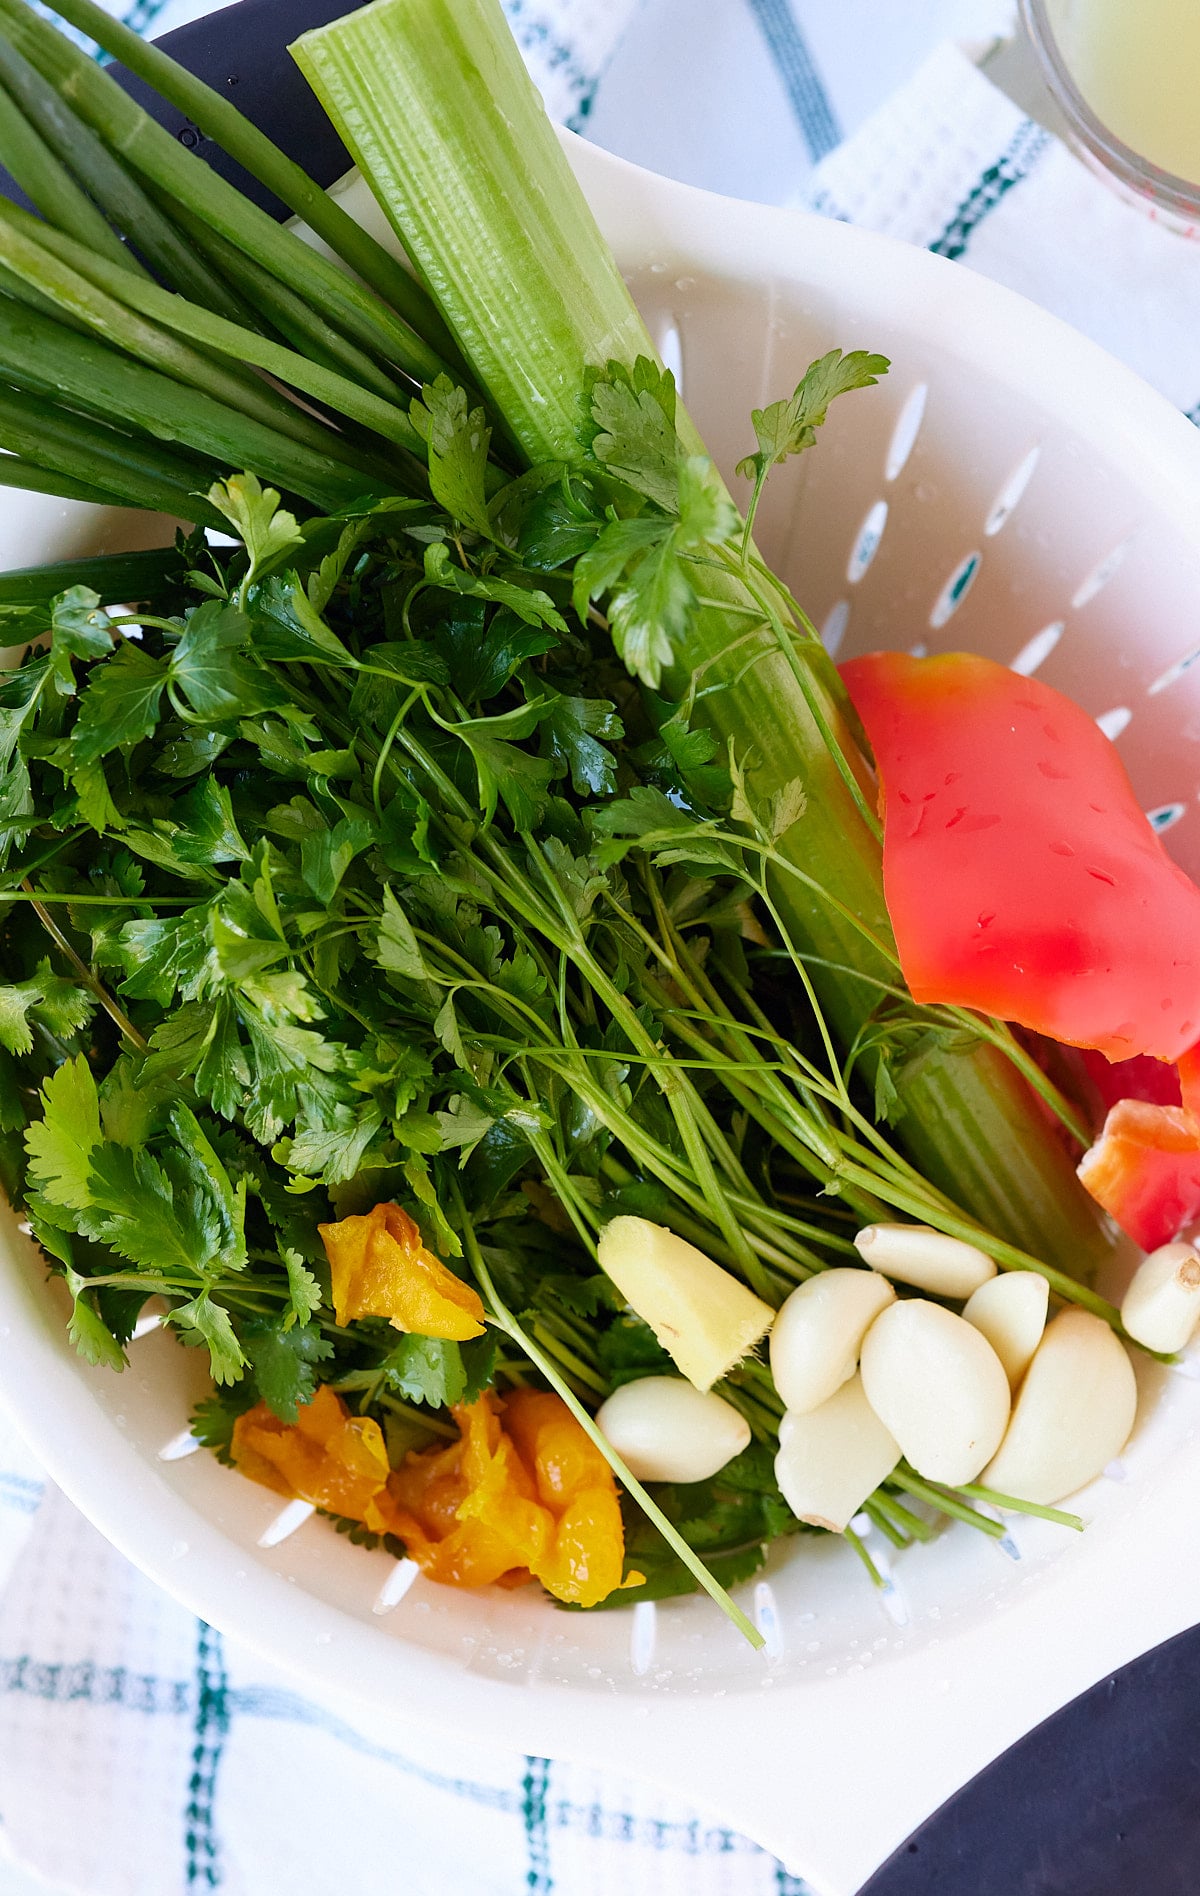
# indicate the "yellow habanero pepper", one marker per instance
pixel 525 1492
pixel 381 1268
pixel 336 1460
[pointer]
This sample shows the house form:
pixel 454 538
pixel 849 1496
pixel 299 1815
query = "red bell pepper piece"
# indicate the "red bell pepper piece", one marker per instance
pixel 1139 1078
pixel 1021 875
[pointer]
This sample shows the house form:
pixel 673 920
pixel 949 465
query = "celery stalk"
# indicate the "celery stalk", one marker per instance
pixel 433 101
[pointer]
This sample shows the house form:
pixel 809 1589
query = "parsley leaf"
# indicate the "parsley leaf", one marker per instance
pixel 569 733
pixel 120 703
pixel 634 413
pixel 268 532
pixel 457 438
pixel 788 427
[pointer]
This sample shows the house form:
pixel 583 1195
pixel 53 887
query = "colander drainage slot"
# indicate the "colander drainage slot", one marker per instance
pixel 1173 673
pixel 394 1588
pixel 185 1443
pixel 670 349
pixel 643 1637
pixel 1038 649
pixel 833 632
pixel 904 434
pixel 1166 816
pixel 286 1522
pixel 954 591
pixel 1006 500
pixel 766 1618
pixel 866 542
pixel 1100 575
pixel 1113 722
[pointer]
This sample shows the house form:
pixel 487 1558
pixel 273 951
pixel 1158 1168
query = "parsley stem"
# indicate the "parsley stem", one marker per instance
pixel 945 1503
pixel 1017 1506
pixel 505 1321
pixel 84 973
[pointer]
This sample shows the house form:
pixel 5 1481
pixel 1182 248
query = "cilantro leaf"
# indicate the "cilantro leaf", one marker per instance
pixel 283 1359
pixel 78 629
pixel 528 602
pixel 61 1143
pixel 397 948
pixel 326 855
pixel 207 828
pixel 504 771
pixel 642 565
pixel 203 1321
pixel 788 427
pixel 63 1007
pixel 426 1369
pixel 288 627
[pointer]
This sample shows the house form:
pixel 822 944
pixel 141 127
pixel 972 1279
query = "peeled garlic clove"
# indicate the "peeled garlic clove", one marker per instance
pixel 1010 1310
pixel 1073 1415
pixel 666 1430
pixel 703 1316
pixel 1162 1305
pixel 833 1457
pixel 938 1386
pixel 917 1254
pixel 818 1334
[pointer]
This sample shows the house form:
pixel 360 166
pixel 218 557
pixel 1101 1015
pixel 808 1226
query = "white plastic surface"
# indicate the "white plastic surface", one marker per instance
pixel 1008 488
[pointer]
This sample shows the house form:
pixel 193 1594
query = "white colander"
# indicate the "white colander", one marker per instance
pixel 1008 488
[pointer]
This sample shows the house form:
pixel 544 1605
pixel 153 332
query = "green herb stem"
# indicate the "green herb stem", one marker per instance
pixel 505 1321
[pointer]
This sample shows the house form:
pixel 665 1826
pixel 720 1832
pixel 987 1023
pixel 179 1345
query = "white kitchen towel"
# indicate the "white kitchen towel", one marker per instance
pixel 950 163
pixel 141 1754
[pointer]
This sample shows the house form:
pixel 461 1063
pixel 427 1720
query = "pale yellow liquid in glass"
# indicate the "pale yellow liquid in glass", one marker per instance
pixel 1137 63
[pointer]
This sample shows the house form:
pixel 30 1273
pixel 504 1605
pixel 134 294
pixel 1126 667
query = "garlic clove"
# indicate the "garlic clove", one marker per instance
pixel 830 1459
pixel 1161 1308
pixel 1073 1416
pixel 928 1259
pixel 1010 1311
pixel 664 1429
pixel 938 1386
pixel 818 1333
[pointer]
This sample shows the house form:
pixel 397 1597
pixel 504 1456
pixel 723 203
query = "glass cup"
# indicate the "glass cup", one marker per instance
pixel 1123 74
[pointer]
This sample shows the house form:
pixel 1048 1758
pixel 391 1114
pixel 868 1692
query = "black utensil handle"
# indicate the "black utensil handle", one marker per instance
pixel 1103 1799
pixel 242 50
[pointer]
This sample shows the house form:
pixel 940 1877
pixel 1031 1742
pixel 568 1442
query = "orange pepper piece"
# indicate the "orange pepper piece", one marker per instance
pixel 1145 1170
pixel 336 1460
pixel 524 1491
pixel 381 1268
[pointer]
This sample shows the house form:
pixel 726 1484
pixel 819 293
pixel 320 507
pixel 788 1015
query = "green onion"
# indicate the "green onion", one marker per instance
pixel 118 305
pixel 116 578
pixel 48 183
pixel 63 281
pixel 17 471
pixel 73 146
pixel 43 356
pixel 134 472
pixel 219 119
pixel 163 164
